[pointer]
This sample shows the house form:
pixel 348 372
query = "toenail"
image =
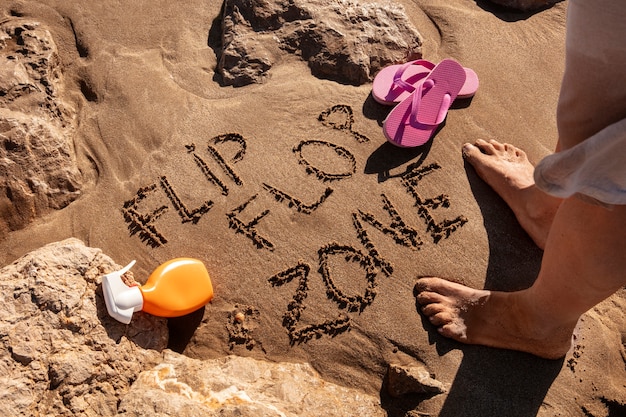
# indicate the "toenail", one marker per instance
pixel 467 147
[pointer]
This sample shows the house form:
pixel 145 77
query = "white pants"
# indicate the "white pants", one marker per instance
pixel 591 115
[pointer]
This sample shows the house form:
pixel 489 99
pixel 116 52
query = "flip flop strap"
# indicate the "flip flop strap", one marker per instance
pixel 421 89
pixel 397 77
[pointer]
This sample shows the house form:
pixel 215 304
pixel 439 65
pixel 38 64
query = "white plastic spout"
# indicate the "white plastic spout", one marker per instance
pixel 121 300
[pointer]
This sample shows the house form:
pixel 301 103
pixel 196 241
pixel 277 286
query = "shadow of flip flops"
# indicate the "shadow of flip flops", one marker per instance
pixel 509 14
pixel 388 157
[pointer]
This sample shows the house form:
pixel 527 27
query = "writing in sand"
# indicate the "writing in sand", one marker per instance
pixel 144 223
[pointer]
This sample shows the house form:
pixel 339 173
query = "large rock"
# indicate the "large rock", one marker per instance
pixel 61 354
pixel 342 40
pixel 237 386
pixel 38 169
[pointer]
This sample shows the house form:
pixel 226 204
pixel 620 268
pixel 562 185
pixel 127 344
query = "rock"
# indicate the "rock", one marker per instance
pixel 345 41
pixel 38 169
pixel 412 379
pixel 61 354
pixel 237 386
pixel 525 5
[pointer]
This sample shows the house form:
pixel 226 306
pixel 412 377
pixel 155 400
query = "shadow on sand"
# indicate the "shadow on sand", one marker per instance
pixel 511 15
pixel 496 382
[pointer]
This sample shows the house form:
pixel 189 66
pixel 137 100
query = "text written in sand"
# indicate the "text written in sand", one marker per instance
pixel 367 258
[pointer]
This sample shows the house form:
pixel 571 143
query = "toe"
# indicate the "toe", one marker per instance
pixel 511 149
pixel 428 297
pixel 432 309
pixel 469 151
pixel 424 284
pixel 453 331
pixel 497 145
pixel 481 143
pixel 441 319
pixel 486 147
pixel 477 154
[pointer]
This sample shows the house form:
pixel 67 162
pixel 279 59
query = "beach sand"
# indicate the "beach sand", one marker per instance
pixel 291 219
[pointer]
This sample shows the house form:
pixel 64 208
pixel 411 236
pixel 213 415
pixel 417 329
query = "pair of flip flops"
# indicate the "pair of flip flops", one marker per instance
pixel 423 93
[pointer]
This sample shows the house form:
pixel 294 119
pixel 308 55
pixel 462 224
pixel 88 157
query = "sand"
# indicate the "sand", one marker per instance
pixel 286 190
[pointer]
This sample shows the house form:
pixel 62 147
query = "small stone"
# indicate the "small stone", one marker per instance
pixel 412 379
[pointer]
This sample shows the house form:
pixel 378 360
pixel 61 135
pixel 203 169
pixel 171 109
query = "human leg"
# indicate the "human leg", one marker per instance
pixel 583 264
pixel 593 96
pixel 583 260
pixel 593 91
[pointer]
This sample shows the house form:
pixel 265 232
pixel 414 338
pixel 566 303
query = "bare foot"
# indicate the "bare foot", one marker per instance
pixel 491 318
pixel 507 170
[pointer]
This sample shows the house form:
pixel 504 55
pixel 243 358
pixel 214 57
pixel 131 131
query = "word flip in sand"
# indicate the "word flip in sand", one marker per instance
pixel 332 255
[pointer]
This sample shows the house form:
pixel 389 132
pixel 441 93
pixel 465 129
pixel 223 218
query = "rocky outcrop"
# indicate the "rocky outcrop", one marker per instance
pixel 346 41
pixel 61 354
pixel 38 170
pixel 237 386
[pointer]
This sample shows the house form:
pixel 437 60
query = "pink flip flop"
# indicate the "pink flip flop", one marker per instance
pixel 412 122
pixel 395 83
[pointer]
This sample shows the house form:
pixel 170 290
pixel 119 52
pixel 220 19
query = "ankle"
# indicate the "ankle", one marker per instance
pixel 539 320
pixel 540 206
pixel 537 214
